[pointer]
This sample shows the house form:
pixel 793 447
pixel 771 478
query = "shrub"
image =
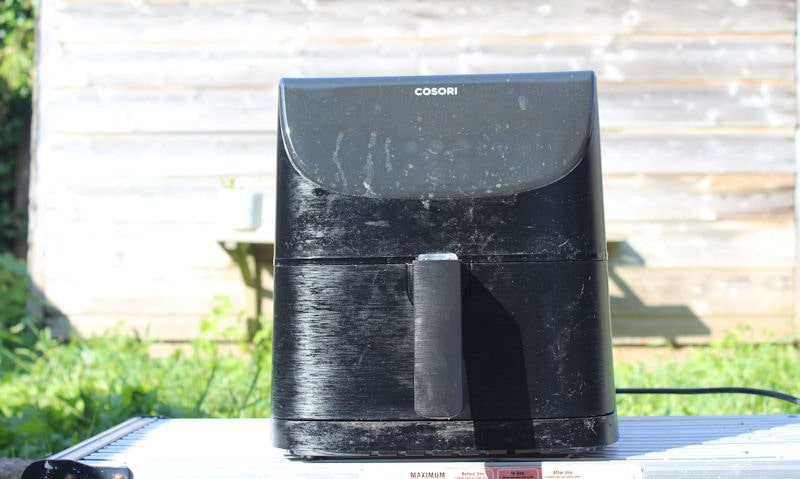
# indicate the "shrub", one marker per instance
pixel 17 326
pixel 16 63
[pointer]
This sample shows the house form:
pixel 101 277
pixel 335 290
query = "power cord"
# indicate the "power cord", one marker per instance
pixel 721 390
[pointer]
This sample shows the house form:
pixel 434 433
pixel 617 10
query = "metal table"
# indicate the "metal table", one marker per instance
pixel 649 447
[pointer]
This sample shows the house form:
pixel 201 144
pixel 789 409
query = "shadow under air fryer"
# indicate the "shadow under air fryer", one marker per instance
pixel 441 267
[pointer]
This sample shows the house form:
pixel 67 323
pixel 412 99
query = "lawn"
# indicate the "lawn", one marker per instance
pixel 734 361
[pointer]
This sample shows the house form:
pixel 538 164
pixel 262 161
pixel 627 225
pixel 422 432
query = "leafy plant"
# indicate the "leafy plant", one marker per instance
pixel 16 64
pixel 64 393
pixel 16 39
pixel 17 326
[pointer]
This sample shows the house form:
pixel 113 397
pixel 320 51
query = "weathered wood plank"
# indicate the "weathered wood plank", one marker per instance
pixel 119 20
pixel 707 245
pixel 161 155
pixel 157 201
pixel 161 111
pixel 91 250
pixel 75 268
pixel 655 198
pixel 159 297
pixel 152 326
pixel 626 331
pixel 86 111
pixel 688 330
pixel 171 112
pixel 628 198
pixel 702 106
pixel 731 60
pixel 125 292
pixel 625 152
pixel 641 291
pixel 726 244
pixel 699 305
pixel 136 202
pixel 705 306
pixel 693 306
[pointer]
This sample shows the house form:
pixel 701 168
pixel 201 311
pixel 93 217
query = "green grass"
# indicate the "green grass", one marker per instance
pixel 733 361
pixel 58 394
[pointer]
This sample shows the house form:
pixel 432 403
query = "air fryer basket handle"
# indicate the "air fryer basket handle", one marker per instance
pixel 436 291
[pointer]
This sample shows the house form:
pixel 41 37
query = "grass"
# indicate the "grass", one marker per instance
pixel 58 394
pixel 733 361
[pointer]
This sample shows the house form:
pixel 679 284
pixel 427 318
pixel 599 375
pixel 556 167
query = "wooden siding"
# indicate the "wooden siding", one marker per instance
pixel 141 106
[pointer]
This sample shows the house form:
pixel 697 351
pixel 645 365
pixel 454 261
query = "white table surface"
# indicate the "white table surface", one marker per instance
pixel 649 447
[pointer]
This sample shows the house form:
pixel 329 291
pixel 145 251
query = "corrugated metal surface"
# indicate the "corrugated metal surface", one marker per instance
pixel 649 447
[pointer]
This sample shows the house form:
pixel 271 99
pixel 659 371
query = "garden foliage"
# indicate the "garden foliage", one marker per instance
pixel 16 64
pixel 58 394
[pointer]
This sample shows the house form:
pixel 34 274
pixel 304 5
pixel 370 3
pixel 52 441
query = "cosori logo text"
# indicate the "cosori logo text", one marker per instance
pixel 436 91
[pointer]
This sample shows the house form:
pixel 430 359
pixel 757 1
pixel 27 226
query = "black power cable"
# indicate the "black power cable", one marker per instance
pixel 720 390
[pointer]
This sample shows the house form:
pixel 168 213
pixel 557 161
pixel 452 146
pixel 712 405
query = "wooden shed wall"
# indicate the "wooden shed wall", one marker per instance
pixel 141 106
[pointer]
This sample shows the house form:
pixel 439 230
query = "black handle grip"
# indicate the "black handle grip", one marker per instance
pixel 436 289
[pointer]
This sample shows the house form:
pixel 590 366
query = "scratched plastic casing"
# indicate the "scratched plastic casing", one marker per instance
pixel 441 267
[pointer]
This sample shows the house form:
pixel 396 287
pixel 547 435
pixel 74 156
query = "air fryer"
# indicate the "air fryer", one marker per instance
pixel 441 267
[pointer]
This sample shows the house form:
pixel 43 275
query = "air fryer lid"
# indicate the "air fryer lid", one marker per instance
pixel 437 137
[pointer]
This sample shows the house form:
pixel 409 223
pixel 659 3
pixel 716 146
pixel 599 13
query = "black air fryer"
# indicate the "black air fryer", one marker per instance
pixel 441 267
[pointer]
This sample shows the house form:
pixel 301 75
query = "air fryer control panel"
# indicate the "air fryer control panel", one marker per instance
pixel 442 137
